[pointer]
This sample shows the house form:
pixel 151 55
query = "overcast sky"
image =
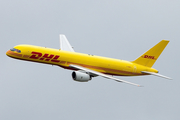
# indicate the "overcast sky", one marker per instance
pixel 110 28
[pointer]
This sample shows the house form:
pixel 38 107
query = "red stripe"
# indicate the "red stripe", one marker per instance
pixel 26 56
pixel 15 54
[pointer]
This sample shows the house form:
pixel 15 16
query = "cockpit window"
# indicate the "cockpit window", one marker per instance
pixel 13 49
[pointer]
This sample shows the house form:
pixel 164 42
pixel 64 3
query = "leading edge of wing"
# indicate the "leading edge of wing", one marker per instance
pixel 101 74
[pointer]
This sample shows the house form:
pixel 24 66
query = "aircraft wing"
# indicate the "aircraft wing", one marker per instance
pixel 100 74
pixel 64 44
pixel 156 74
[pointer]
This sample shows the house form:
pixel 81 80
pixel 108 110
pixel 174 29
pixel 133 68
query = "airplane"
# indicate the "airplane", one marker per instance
pixel 86 66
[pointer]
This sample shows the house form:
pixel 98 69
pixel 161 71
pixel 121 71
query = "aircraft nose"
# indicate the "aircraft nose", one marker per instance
pixel 7 53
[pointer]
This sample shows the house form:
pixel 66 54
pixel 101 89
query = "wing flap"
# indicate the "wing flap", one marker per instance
pixel 101 74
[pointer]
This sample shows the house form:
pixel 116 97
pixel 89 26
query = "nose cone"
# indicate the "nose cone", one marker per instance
pixel 13 54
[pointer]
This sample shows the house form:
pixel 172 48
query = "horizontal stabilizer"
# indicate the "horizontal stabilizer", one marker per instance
pixel 156 74
pixel 64 44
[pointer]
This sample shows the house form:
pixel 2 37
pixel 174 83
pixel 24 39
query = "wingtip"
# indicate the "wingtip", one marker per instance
pixel 61 34
pixel 140 86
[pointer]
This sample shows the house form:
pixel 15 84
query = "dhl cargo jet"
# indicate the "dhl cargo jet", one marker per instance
pixel 86 66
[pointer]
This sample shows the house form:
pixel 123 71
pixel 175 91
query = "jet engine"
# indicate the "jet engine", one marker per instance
pixel 80 76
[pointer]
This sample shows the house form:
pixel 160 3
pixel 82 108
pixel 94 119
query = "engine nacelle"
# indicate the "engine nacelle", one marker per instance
pixel 80 76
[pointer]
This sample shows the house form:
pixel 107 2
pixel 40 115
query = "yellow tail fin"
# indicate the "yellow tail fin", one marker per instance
pixel 150 57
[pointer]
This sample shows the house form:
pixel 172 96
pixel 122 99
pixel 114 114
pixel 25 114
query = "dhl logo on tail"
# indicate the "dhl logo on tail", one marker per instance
pixel 149 57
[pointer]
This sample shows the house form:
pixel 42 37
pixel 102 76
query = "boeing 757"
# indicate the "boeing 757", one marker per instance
pixel 86 66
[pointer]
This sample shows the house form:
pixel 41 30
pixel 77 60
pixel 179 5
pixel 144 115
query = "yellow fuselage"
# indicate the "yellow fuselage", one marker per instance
pixel 64 59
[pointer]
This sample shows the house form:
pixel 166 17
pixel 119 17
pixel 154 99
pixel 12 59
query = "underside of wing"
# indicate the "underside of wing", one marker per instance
pixel 100 74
